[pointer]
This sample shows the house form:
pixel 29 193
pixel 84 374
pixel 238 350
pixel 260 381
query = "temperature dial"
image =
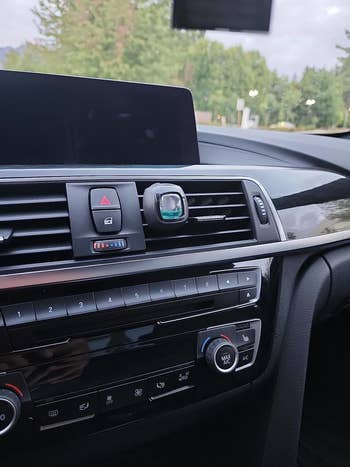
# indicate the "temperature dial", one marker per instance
pixel 221 355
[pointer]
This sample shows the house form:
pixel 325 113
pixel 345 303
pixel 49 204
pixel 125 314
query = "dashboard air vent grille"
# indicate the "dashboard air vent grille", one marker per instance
pixel 36 216
pixel 218 214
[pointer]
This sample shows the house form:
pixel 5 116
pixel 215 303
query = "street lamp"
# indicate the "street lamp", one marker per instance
pixel 253 93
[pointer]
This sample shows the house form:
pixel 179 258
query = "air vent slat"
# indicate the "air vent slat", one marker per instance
pixel 33 215
pixel 32 200
pixel 20 233
pixel 218 206
pixel 38 216
pixel 218 215
pixel 173 237
pixel 37 250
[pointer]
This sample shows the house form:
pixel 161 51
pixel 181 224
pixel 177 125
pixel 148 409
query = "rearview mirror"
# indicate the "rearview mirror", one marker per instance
pixel 231 15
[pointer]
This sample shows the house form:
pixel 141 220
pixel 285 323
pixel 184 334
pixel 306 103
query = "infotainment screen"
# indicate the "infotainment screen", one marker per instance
pixel 53 119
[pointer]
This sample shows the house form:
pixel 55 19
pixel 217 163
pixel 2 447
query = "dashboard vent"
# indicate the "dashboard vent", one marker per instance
pixel 218 214
pixel 36 219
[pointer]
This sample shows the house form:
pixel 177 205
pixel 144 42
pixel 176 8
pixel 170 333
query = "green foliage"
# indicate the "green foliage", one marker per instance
pixel 323 87
pixel 132 40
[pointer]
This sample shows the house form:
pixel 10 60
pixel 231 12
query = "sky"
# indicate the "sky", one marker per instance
pixel 303 32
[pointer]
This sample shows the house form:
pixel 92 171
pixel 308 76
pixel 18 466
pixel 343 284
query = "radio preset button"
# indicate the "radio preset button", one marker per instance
pixel 207 284
pixel 18 314
pixel 136 295
pixel 161 290
pixel 228 280
pixel 108 299
pixel 79 304
pixel 184 287
pixel 48 309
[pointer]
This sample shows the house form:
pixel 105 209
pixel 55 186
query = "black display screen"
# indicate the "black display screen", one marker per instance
pixel 52 119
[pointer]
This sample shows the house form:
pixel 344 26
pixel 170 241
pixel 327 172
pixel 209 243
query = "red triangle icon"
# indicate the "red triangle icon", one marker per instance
pixel 105 201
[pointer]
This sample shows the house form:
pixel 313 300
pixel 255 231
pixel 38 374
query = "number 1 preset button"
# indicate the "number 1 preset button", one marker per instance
pixel 18 314
pixel 79 304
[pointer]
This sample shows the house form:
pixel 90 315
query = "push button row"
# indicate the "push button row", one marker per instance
pixel 114 398
pixel 244 281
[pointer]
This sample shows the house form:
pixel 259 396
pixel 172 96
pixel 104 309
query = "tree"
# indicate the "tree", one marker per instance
pixel 344 72
pixel 323 87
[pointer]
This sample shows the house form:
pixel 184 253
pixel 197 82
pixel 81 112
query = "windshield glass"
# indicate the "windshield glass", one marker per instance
pixel 294 78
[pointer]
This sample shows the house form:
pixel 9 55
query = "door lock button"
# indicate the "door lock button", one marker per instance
pixel 108 221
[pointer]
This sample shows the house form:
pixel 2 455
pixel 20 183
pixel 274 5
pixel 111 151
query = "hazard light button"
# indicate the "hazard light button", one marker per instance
pixel 104 198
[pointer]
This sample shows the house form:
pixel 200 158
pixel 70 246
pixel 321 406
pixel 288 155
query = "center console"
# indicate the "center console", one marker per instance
pixel 108 355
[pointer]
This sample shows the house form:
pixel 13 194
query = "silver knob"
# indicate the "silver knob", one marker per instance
pixel 10 410
pixel 221 355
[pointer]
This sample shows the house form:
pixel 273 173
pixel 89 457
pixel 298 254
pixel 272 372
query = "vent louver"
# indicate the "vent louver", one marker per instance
pixel 218 214
pixel 37 216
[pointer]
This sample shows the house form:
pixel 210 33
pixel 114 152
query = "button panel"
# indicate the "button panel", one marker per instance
pixel 114 398
pixel 233 282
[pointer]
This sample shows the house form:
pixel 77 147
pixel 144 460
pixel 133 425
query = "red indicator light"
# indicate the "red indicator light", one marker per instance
pixel 105 201
pixel 14 388
pixel 225 337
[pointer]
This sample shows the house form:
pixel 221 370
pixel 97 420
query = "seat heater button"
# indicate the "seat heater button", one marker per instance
pixel 245 337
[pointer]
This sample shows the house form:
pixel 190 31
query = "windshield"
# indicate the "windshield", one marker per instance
pixel 294 78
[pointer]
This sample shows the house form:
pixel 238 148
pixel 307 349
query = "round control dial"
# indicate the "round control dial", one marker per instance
pixel 10 409
pixel 221 355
